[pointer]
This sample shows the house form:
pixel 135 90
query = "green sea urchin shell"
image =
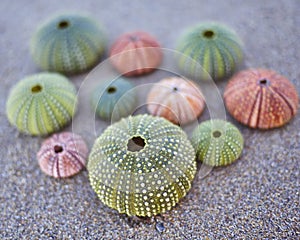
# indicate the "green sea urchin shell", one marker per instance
pixel 142 165
pixel 217 142
pixel 214 46
pixel 41 103
pixel 68 44
pixel 114 99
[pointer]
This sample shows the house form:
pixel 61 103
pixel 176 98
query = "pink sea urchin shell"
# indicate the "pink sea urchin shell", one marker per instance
pixel 261 98
pixel 62 155
pixel 136 53
pixel 178 100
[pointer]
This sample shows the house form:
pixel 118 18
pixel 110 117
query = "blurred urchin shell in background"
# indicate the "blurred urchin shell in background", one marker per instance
pixel 217 142
pixel 261 98
pixel 68 43
pixel 176 99
pixel 135 53
pixel 209 49
pixel 142 165
pixel 62 155
pixel 41 103
pixel 114 99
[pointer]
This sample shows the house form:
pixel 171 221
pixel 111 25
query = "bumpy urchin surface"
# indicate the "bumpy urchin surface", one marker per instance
pixel 68 43
pixel 62 155
pixel 41 103
pixel 213 46
pixel 142 165
pixel 217 142
pixel 261 98
pixel 114 99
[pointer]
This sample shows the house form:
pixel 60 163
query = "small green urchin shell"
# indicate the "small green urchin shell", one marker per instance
pixel 142 165
pixel 115 99
pixel 67 43
pixel 217 142
pixel 41 103
pixel 214 46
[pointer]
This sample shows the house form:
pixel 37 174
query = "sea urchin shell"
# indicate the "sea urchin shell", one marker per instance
pixel 135 53
pixel 68 43
pixel 62 155
pixel 142 165
pixel 41 103
pixel 217 142
pixel 114 99
pixel 178 100
pixel 213 46
pixel 261 98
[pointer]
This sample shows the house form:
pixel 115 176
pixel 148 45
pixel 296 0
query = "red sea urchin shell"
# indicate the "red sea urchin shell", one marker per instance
pixel 261 98
pixel 135 53
pixel 178 100
pixel 62 155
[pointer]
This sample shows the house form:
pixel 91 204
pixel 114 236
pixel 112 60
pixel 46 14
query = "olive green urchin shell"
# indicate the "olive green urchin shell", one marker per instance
pixel 114 99
pixel 68 43
pixel 214 47
pixel 217 142
pixel 41 103
pixel 142 165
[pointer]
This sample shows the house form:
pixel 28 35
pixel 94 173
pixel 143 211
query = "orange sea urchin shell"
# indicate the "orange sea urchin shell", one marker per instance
pixel 178 100
pixel 136 53
pixel 62 155
pixel 261 98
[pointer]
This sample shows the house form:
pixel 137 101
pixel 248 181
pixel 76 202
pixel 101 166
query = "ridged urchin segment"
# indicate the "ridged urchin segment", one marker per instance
pixel 135 53
pixel 41 103
pixel 68 43
pixel 261 98
pixel 114 99
pixel 142 165
pixel 62 155
pixel 217 142
pixel 212 47
pixel 176 99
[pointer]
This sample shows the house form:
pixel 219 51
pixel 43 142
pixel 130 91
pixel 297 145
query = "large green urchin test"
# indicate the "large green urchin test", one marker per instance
pixel 114 99
pixel 212 47
pixel 68 43
pixel 41 103
pixel 142 165
pixel 217 142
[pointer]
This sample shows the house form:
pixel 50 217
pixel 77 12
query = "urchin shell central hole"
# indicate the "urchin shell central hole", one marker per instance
pixel 111 90
pixel 136 144
pixel 63 24
pixel 264 82
pixel 58 149
pixel 133 38
pixel 175 89
pixel 217 134
pixel 208 34
pixel 36 89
